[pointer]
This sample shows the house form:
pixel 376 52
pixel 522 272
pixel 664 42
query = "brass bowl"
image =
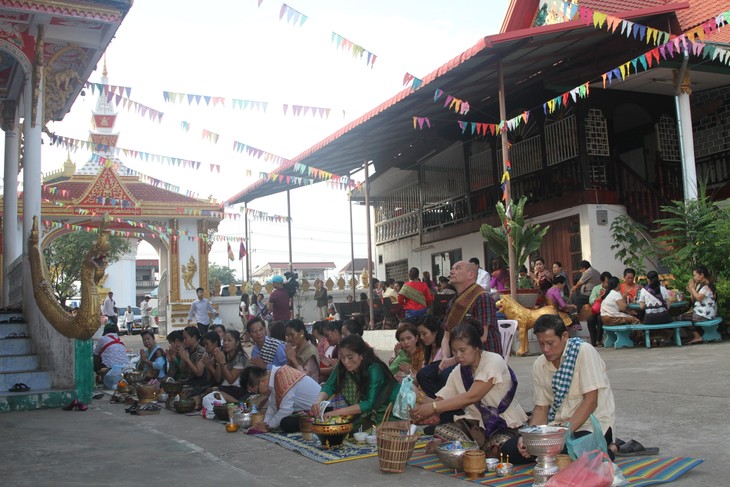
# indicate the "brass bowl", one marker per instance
pixel 172 387
pixel 147 393
pixel 231 427
pixel 128 389
pixel 331 435
pixel 184 406
pixel 133 376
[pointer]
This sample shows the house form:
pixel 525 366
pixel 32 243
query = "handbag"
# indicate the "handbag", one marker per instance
pixel 592 469
pixel 588 443
pixel 596 307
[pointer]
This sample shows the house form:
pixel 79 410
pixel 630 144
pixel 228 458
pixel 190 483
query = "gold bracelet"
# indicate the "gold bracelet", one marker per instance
pixel 435 409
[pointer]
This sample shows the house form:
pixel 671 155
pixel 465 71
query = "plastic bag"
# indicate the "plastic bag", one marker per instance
pixel 406 399
pixel 595 441
pixel 619 480
pixel 592 469
pixel 212 399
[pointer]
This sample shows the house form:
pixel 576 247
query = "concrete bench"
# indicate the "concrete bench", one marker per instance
pixel 620 335
pixel 710 329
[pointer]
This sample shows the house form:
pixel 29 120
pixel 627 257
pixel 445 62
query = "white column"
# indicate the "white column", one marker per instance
pixel 32 158
pixel 11 239
pixel 684 119
pixel 122 280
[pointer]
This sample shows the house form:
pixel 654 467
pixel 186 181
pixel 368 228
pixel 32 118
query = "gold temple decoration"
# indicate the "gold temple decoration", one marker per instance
pixel 330 284
pixel 305 285
pixel 340 283
pixel 525 318
pixel 353 283
pixel 188 273
pixel 232 290
pixel 269 288
pixel 85 322
pixel 364 278
pixel 216 291
pixel 257 287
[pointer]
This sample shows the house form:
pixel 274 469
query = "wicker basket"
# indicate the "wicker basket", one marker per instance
pixel 395 446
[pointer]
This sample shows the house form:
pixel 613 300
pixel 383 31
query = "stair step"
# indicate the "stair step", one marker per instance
pixel 15 346
pixel 17 328
pixel 35 399
pixel 35 379
pixel 15 363
pixel 14 315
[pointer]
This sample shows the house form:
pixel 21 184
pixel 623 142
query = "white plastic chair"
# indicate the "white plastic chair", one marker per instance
pixel 507 329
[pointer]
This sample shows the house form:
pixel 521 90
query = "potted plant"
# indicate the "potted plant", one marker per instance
pixel 526 238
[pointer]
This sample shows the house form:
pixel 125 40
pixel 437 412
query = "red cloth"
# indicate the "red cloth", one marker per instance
pixel 279 300
pixel 421 287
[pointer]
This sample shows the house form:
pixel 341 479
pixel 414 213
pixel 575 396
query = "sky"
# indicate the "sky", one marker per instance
pixel 238 49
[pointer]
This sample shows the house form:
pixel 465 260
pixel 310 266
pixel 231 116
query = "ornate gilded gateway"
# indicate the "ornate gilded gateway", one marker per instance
pixel 85 322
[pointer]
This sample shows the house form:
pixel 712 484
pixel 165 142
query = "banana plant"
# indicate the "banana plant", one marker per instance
pixel 526 237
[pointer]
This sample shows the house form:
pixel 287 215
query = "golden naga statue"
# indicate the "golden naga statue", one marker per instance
pixel 188 273
pixel 84 323
pixel 526 318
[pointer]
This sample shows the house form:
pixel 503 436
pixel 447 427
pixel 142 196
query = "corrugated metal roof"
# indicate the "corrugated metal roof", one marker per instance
pixel 383 133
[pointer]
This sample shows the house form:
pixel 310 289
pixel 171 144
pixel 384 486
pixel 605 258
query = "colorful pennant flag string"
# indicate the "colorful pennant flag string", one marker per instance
pixel 452 103
pixel 295 17
pixel 106 88
pixel 76 144
pixel 139 108
pixel 252 151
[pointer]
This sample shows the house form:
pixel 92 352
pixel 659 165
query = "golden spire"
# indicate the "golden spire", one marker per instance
pixel 69 168
pixel 104 71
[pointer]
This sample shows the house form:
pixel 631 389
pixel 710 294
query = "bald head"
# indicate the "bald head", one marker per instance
pixel 463 274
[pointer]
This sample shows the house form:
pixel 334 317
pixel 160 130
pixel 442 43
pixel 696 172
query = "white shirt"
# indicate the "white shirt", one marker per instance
pixel 609 306
pixel 300 397
pixel 491 368
pixel 589 375
pixel 483 279
pixel 652 304
pixel 145 308
pixel 107 307
pixel 128 317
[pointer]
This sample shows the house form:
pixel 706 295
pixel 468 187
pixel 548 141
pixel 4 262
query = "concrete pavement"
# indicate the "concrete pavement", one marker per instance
pixel 672 398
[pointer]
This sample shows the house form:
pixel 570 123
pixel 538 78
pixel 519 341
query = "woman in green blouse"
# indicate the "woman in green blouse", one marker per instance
pixel 363 381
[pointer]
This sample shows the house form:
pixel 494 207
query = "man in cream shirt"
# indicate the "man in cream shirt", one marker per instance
pixel 589 391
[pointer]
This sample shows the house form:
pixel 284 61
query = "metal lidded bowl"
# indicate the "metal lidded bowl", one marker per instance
pixel 172 387
pixel 184 406
pixel 454 458
pixel 548 441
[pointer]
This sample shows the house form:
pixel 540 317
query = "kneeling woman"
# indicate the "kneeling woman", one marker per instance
pixel 484 387
pixel 289 390
pixel 363 381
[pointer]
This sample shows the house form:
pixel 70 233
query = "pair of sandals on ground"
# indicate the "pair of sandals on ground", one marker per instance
pixel 633 448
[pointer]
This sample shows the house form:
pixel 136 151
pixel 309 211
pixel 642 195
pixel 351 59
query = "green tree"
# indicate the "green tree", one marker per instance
pixel 65 255
pixel 526 237
pixel 632 245
pixel 225 275
pixel 686 237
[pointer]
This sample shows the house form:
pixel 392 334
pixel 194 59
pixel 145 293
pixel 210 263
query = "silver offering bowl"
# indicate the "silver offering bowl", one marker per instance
pixel 544 442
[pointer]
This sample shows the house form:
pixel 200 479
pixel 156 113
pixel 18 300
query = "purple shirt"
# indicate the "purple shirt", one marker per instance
pixel 555 295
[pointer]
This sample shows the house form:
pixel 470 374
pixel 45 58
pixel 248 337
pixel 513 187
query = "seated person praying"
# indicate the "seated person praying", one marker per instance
pixel 266 351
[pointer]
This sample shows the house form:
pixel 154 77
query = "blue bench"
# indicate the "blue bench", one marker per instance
pixel 710 328
pixel 619 336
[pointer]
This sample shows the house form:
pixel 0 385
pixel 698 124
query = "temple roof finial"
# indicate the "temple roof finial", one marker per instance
pixel 104 71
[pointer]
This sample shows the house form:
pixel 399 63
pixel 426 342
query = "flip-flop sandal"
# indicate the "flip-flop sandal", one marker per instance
pixel 618 442
pixel 19 387
pixel 98 395
pixel 635 449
